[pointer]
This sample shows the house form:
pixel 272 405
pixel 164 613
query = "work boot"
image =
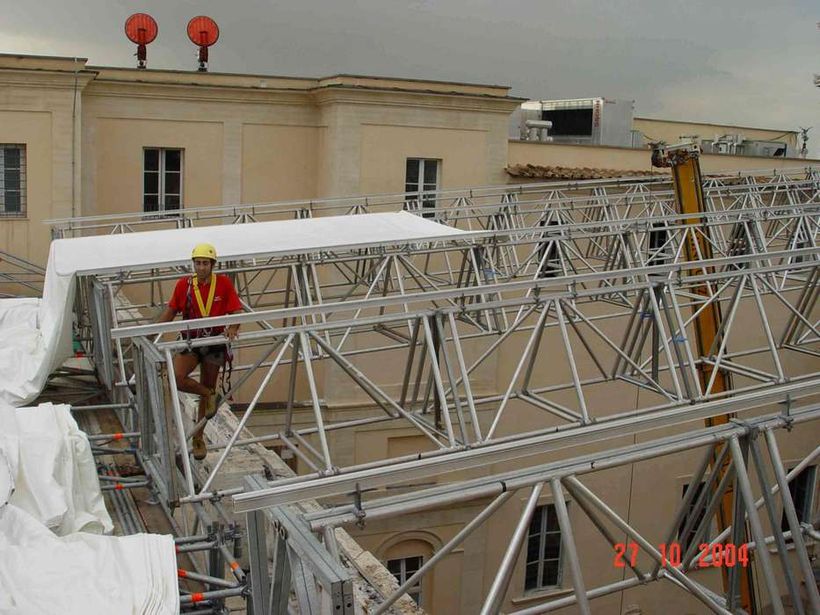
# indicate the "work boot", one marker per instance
pixel 200 452
pixel 207 405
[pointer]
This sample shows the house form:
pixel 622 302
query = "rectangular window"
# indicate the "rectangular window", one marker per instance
pixel 548 254
pixel 686 540
pixel 12 180
pixel 162 179
pixel 802 488
pixel 421 182
pixel 404 568
pixel 543 550
pixel 660 251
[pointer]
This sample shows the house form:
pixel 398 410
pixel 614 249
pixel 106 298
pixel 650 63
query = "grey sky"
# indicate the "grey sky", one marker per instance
pixel 747 62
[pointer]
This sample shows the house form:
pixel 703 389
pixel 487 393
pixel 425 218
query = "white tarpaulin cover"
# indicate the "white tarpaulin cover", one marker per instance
pixel 35 337
pixel 52 469
pixel 48 479
pixel 83 574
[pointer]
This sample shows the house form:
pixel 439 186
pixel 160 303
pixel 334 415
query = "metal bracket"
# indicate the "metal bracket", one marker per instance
pixel 357 507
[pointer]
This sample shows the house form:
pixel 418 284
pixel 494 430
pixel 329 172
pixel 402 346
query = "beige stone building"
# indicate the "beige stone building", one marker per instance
pixel 107 141
pixel 103 141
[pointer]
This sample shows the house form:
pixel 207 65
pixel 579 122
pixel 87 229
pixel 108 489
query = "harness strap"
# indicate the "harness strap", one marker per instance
pixel 205 309
pixel 227 371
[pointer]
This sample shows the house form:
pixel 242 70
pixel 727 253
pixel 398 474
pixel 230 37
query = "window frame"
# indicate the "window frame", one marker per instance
pixel 161 171
pixel 415 591
pixel 684 541
pixel 804 512
pixel 421 193
pixel 22 178
pixel 539 586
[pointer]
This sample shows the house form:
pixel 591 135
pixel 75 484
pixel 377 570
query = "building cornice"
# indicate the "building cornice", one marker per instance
pixel 422 99
pixel 10 77
pixel 415 85
pixel 43 71
pixel 737 126
pixel 199 93
pixel 202 80
pixel 42 63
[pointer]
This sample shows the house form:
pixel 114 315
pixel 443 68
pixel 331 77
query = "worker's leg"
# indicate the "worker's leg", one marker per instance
pixel 184 364
pixel 209 372
pixel 212 360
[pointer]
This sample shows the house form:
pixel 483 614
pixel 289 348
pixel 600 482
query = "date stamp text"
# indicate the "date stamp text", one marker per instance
pixel 717 555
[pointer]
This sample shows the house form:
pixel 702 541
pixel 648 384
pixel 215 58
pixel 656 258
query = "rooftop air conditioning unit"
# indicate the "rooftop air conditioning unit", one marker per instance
pixel 593 121
pixel 768 149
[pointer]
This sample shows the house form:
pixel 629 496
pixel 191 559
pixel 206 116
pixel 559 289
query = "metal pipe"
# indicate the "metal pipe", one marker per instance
pixel 198 597
pixel 468 393
pixel 689 497
pixel 301 455
pixel 562 326
pixel 448 369
pixel 196 546
pixel 183 442
pixel 492 603
pixel 791 517
pixel 568 540
pixel 375 393
pixel 581 280
pixel 317 411
pixel 745 486
pixel 785 564
pixel 436 371
pixel 481 456
pixel 204 578
pixel 776 488
pixel 445 550
pixel 102 407
pixel 527 349
pixel 246 415
pixel 121 486
pixel 579 490
pixel 605 590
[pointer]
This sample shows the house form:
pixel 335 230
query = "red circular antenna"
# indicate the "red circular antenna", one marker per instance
pixel 141 28
pixel 203 31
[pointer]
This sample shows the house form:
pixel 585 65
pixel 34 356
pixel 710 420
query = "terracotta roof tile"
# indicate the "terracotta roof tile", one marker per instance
pixel 536 171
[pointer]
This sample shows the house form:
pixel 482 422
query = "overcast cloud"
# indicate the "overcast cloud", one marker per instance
pixel 747 62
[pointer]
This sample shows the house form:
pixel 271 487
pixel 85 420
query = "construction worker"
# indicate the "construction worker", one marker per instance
pixel 201 295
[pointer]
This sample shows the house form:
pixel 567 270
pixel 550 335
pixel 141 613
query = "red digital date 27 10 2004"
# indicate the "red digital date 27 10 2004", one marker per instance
pixel 716 555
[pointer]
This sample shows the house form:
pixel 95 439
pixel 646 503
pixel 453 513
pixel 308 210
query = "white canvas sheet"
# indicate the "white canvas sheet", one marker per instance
pixel 153 248
pixel 83 574
pixel 49 463
pixel 33 345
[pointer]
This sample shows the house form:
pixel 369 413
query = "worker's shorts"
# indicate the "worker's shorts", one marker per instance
pixel 213 355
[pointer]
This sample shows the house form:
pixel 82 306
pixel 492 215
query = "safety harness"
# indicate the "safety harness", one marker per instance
pixel 204 311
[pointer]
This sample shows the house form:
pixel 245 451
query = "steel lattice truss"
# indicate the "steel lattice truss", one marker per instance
pixel 19 277
pixel 588 283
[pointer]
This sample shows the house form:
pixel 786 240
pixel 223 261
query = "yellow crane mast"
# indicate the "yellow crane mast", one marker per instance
pixel 683 161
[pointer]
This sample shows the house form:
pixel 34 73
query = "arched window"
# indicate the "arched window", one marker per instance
pixel 403 559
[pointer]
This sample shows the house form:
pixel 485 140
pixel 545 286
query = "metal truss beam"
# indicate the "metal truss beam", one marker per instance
pixel 595 272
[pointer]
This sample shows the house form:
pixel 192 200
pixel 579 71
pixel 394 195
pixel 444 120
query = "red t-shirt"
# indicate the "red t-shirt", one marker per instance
pixel 226 301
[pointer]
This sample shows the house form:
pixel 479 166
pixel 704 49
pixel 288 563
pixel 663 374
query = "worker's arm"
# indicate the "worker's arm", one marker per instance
pixel 167 315
pixel 231 331
pixel 233 306
pixel 175 303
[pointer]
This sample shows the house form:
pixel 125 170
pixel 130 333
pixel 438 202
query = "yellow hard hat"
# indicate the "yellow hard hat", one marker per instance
pixel 204 250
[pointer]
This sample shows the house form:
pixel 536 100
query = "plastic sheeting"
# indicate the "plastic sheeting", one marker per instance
pixel 83 574
pixel 234 241
pixel 49 463
pixel 35 337
pixel 48 484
